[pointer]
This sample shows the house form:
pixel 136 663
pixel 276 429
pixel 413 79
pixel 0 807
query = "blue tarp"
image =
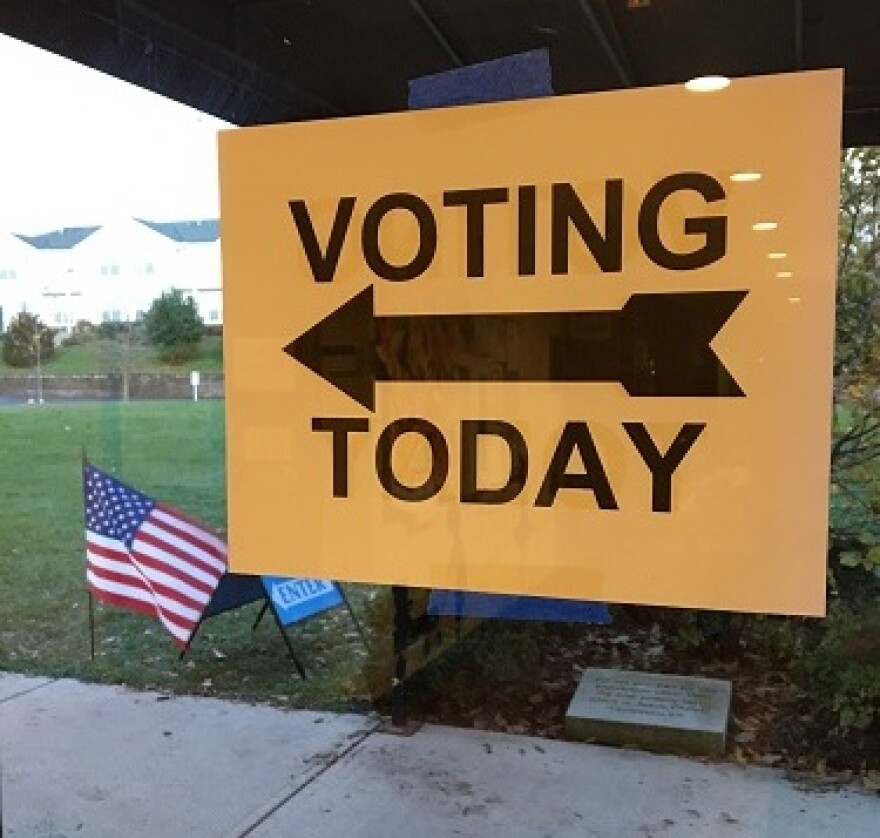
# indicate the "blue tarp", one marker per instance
pixel 503 607
pixel 522 76
pixel 234 591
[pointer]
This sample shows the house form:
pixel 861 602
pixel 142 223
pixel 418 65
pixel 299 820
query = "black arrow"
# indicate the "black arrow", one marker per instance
pixel 656 345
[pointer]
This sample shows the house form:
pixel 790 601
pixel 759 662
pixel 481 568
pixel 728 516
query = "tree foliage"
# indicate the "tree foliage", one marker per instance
pixel 855 452
pixel 26 337
pixel 857 359
pixel 174 326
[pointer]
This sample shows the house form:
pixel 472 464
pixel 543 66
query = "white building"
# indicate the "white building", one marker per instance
pixel 112 272
pixel 194 268
pixel 16 259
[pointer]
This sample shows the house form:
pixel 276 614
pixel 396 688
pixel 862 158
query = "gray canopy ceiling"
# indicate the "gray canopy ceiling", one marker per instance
pixel 258 61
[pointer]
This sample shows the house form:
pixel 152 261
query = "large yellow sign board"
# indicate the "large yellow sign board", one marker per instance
pixel 575 347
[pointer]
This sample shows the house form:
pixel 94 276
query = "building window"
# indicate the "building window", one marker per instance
pixel 214 316
pixel 111 269
pixel 8 273
pixel 149 268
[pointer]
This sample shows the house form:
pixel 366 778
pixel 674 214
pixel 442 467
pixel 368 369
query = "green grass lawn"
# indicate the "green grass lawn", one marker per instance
pixel 173 451
pixel 105 355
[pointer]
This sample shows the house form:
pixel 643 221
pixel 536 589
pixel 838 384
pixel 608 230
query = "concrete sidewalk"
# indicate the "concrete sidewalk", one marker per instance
pixel 95 761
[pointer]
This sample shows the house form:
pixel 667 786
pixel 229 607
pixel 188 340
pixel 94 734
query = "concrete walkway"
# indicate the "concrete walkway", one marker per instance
pixel 95 761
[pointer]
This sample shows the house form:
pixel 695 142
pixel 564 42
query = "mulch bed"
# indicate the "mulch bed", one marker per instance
pixel 771 721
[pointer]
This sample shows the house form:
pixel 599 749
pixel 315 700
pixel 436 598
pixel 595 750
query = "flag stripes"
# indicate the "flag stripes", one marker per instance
pixel 124 578
pixel 196 542
pixel 148 557
pixel 120 594
pixel 161 553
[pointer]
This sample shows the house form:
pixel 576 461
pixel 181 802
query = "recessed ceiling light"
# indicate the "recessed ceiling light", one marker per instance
pixel 745 177
pixel 784 274
pixel 777 255
pixel 763 226
pixel 794 299
pixel 707 84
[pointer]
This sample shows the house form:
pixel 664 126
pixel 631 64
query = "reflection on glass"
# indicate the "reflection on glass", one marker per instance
pixel 657 345
pixel 745 177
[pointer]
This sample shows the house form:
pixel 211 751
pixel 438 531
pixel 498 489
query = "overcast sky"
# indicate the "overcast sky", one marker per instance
pixel 78 147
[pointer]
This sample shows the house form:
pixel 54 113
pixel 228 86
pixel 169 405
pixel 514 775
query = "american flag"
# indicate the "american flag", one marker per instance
pixel 148 557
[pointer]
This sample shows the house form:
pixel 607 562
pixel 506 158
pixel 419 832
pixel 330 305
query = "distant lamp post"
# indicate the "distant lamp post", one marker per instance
pixel 38 337
pixel 126 359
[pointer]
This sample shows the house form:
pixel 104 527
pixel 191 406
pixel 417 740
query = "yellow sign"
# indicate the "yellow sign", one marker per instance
pixel 576 347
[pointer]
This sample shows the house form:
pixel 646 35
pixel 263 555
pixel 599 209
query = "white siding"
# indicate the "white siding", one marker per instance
pixel 114 274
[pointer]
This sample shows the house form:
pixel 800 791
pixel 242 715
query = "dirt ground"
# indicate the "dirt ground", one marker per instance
pixel 770 723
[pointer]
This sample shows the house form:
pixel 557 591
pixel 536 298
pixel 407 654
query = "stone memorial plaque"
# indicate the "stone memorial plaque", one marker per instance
pixel 657 712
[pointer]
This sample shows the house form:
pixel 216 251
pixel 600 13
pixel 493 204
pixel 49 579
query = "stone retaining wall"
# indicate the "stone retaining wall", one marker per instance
pixel 141 385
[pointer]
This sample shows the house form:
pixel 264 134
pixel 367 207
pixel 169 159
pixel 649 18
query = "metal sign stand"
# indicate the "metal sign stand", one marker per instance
pixel 345 602
pixel 266 604
pixel 400 723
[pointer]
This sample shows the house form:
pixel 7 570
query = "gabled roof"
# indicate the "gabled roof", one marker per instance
pixel 201 230
pixel 62 239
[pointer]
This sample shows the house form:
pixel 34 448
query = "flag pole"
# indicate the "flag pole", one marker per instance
pixel 190 639
pixel 85 461
pixel 261 614
pixel 92 624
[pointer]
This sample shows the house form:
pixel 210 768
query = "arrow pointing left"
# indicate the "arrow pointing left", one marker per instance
pixel 656 345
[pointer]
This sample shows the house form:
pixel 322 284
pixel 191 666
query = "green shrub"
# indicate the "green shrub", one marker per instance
pixel 83 331
pixel 112 329
pixel 694 632
pixel 26 332
pixel 843 670
pixel 174 327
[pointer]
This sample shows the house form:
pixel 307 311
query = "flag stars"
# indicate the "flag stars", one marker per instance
pixel 114 509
